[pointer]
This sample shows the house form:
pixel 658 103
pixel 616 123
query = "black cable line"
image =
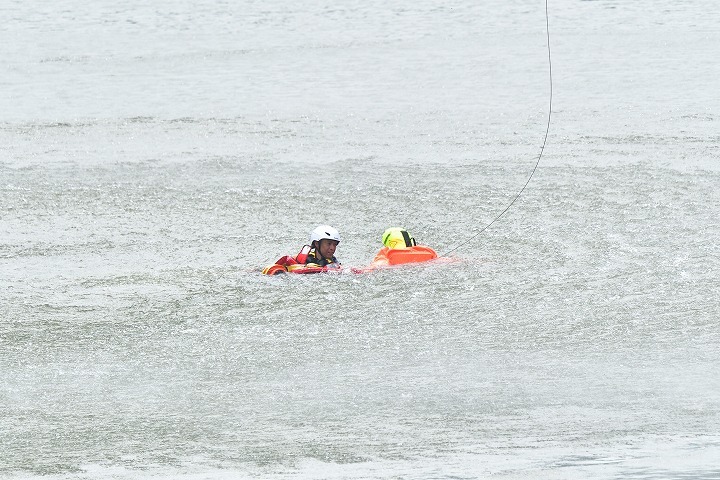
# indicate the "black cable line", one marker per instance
pixel 542 148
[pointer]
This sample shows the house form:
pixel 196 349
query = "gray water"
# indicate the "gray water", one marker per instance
pixel 155 156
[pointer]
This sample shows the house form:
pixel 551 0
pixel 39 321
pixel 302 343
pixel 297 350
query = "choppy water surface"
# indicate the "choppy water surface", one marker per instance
pixel 155 157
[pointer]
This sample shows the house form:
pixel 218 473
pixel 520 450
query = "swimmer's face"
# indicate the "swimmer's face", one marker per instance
pixel 327 247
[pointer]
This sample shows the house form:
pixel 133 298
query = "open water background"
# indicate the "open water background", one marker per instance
pixel 155 156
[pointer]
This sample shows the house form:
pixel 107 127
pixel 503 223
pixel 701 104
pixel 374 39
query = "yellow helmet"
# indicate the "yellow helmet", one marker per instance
pixel 397 237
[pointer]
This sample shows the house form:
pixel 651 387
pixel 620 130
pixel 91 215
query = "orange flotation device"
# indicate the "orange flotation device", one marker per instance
pixel 288 264
pixel 398 256
pixel 388 257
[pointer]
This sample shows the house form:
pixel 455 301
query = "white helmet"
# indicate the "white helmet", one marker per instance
pixel 324 231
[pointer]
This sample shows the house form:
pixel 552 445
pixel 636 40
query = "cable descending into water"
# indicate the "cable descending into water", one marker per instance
pixel 542 147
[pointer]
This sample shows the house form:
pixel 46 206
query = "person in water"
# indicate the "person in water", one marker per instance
pixel 396 237
pixel 400 247
pixel 314 258
pixel 324 239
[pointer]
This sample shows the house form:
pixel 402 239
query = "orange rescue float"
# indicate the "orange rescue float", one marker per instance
pixel 399 256
pixel 400 249
pixel 288 264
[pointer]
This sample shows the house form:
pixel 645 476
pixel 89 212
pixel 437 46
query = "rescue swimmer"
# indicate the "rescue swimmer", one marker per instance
pixel 323 243
pixel 317 257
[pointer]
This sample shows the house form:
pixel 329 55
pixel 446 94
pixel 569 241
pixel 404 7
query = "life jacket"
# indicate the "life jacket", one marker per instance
pixel 302 256
pixel 399 256
pixel 314 257
pixel 288 264
pixel 304 262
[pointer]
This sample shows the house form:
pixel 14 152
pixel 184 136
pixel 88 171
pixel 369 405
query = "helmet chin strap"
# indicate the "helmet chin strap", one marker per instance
pixel 315 246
